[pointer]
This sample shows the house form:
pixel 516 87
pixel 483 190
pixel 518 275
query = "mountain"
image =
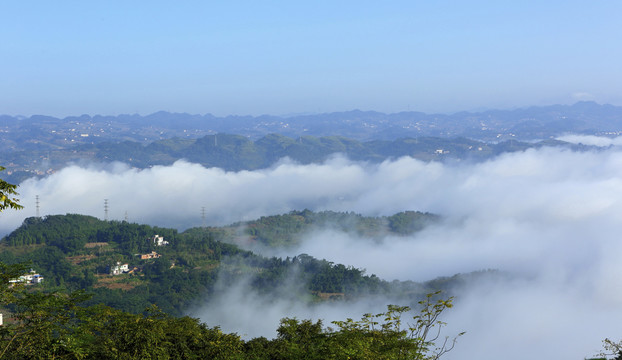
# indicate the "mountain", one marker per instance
pixel 39 145
pixel 236 152
pixel 124 266
pixel 533 123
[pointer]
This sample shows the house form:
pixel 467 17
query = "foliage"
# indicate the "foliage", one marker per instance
pixel 54 325
pixel 390 339
pixel 7 273
pixel 49 325
pixel 56 247
pixel 193 262
pixel 287 229
pixel 380 336
pixel 7 192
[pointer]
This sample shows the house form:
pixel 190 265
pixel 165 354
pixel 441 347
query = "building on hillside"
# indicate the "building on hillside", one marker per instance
pixel 119 269
pixel 31 278
pixel 151 255
pixel 159 240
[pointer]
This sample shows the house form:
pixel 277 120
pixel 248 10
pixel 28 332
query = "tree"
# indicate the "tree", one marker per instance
pixel 6 191
pixel 383 336
pixel 612 350
pixel 377 337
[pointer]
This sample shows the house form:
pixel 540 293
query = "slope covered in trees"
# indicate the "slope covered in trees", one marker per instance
pixel 287 229
pixel 75 252
pixel 54 325
pixel 237 152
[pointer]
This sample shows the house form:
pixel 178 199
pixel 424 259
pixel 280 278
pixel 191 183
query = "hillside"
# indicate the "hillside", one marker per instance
pixel 76 252
pixel 237 152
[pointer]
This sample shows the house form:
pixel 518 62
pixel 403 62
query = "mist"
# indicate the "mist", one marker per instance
pixel 550 217
pixel 591 140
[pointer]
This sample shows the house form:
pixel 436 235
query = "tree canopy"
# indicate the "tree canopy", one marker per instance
pixel 46 325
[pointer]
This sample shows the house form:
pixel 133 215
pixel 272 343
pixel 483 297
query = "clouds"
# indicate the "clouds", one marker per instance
pixel 551 217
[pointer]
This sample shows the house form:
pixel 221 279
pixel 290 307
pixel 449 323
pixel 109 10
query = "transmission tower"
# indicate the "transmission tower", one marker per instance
pixel 203 215
pixel 106 209
pixel 37 204
pixel 125 216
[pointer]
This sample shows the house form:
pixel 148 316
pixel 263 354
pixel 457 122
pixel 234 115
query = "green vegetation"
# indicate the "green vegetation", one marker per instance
pixel 76 252
pixel 287 229
pixel 237 152
pixel 58 319
pixel 7 190
pixel 54 320
pixel 54 325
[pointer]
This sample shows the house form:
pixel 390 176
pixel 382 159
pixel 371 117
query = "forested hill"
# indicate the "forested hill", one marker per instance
pixel 287 229
pixel 236 152
pixel 79 252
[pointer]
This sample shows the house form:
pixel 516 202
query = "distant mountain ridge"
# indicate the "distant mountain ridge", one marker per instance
pixel 40 145
pixel 532 123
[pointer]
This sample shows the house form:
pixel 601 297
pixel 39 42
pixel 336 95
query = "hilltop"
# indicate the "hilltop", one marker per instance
pixel 123 265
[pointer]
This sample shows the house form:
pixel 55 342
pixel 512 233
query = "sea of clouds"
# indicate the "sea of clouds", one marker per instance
pixel 550 217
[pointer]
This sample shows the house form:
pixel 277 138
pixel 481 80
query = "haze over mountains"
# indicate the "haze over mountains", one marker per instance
pixel 40 145
pixel 533 123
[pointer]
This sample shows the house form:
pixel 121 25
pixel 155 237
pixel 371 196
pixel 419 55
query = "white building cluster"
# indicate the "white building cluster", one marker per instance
pixel 31 278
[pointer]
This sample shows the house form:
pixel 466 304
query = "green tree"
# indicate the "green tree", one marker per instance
pixel 380 336
pixel 42 324
pixel 383 336
pixel 8 273
pixel 6 191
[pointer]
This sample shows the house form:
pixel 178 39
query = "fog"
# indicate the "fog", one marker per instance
pixel 550 217
pixel 592 140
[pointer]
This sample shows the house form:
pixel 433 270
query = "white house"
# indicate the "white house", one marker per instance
pixel 119 269
pixel 31 278
pixel 159 240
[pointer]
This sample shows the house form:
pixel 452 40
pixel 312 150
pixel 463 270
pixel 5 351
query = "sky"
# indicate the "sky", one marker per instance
pixel 548 217
pixel 287 57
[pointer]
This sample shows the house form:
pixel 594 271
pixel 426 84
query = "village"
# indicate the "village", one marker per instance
pixel 119 268
pixel 33 277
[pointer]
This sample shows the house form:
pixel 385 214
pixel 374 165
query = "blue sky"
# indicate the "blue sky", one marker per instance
pixel 284 57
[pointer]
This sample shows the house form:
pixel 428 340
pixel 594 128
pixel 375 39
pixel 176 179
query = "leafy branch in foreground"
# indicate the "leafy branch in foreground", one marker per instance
pixel 386 333
pixel 6 190
pixel 612 350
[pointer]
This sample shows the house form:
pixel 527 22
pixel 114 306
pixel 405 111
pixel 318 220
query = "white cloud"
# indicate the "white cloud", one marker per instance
pixel 582 96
